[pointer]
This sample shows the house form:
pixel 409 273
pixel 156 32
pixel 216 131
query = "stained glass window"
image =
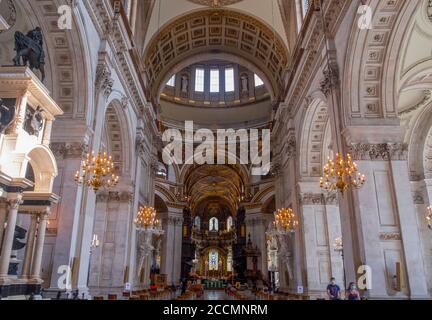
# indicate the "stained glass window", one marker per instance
pixel 213 260
pixel 197 222
pixel 229 223
pixel 213 224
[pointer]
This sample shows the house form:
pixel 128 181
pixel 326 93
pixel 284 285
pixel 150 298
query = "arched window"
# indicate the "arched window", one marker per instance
pixel 258 81
pixel 302 9
pixel 199 80
pixel 197 222
pixel 229 223
pixel 171 81
pixel 213 260
pixel 229 80
pixel 229 260
pixel 213 224
pixel 214 80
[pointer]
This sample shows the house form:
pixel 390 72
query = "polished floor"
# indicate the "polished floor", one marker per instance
pixel 216 295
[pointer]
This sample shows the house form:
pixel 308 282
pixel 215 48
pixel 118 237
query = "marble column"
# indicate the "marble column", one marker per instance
pixel 9 235
pixel 386 221
pixel 40 238
pixel 172 245
pixel 3 216
pixel 321 225
pixel 66 212
pixel 28 255
pixel 256 225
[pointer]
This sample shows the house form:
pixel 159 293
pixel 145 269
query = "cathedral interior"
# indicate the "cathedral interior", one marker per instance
pixel 117 181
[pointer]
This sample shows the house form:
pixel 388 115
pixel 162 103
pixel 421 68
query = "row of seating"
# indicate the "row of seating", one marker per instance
pixel 166 294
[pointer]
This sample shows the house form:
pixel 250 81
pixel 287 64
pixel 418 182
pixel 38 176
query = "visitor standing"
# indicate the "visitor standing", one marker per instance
pixel 353 293
pixel 333 290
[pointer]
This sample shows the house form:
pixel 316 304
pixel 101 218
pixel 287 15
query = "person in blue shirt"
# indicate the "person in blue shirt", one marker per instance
pixel 333 290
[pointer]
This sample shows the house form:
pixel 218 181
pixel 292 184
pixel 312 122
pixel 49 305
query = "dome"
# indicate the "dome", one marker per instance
pixel 206 92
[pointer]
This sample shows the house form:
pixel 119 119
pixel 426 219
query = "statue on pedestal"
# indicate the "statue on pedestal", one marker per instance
pixel 30 48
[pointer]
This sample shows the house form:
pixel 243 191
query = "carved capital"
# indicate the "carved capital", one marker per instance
pixel 331 79
pixel 103 81
pixel 379 152
pixel 15 203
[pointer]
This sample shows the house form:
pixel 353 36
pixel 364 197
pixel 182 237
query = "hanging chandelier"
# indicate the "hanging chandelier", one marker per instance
pixel 429 217
pixel 340 174
pixel 338 244
pixel 285 221
pixel 146 218
pixel 97 171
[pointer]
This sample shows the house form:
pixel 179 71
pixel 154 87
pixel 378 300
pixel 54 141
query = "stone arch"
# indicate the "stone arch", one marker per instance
pixel 369 70
pixel 118 137
pixel 44 166
pixel 215 31
pixel 204 57
pixel 269 205
pixel 313 134
pixel 166 195
pixel 160 204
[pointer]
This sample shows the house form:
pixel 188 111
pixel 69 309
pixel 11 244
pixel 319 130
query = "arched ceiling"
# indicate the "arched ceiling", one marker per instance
pixel 215 3
pixel 208 183
pixel 211 32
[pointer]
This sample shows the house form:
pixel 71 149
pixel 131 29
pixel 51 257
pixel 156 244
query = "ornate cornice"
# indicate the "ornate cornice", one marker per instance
pixel 65 150
pixel 307 199
pixel 379 152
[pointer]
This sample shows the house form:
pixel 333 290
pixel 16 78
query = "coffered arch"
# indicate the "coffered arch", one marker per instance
pixel 369 81
pixel 313 136
pixel 216 31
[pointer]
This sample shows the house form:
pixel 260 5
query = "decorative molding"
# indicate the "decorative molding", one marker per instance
pixel 63 150
pixel 307 199
pixel 379 152
pixel 14 204
pixel 116 196
pixel 215 3
pixel 331 79
pixel 103 81
pixel 386 236
pixel 418 197
pixel 427 95
pixel 10 17
pixel 215 29
pixel 429 10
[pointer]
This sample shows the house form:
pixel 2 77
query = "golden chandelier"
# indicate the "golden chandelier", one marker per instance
pixel 285 220
pixel 97 172
pixel 146 218
pixel 340 174
pixel 429 217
